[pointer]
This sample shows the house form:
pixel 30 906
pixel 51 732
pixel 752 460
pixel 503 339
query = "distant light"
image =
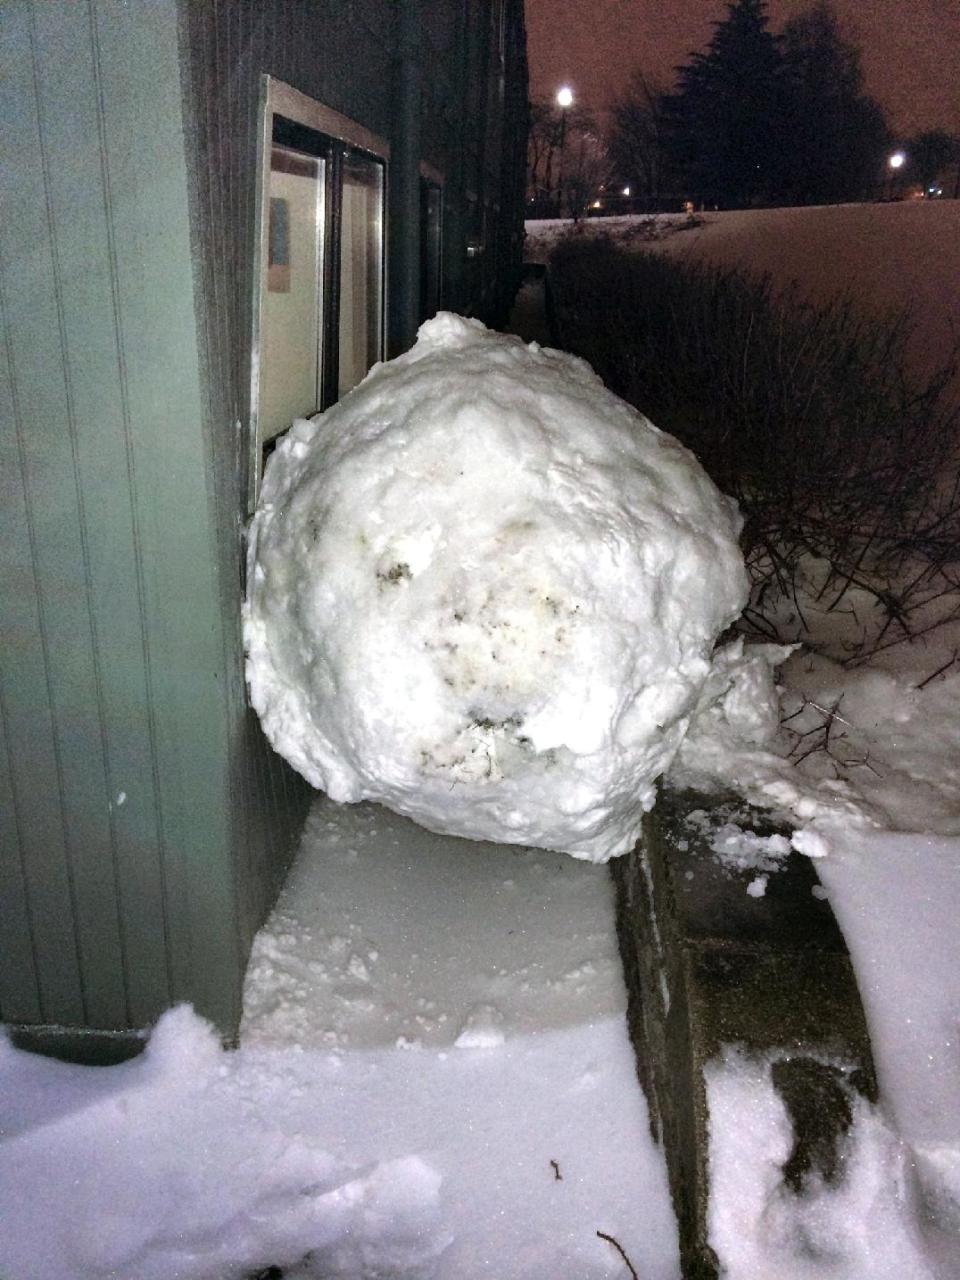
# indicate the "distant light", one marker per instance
pixel 626 191
pixel 897 160
pixel 596 205
pixel 565 97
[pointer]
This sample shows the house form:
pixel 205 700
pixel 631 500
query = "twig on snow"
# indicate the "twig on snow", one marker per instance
pixel 620 1249
pixel 940 670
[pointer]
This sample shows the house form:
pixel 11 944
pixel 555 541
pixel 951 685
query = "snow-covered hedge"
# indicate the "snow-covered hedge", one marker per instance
pixel 484 591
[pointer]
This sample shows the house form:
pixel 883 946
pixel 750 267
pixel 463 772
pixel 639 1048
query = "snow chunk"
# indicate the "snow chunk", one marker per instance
pixel 734 741
pixel 177 1164
pixel 811 842
pixel 484 592
pixel 482 1029
pixel 739 848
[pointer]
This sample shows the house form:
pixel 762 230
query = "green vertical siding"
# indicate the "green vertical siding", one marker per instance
pixel 118 872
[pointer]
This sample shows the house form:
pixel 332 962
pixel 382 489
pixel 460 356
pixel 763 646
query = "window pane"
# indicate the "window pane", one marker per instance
pixel 290 356
pixel 361 268
pixel 431 210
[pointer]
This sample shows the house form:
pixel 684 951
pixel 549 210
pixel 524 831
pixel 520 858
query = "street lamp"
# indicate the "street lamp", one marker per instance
pixel 895 161
pixel 564 100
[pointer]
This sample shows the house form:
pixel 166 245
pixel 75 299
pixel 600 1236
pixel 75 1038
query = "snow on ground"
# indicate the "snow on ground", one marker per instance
pixel 896 1211
pixel 884 255
pixel 868 1225
pixel 889 858
pixel 434 1081
pixel 626 230
pixel 896 899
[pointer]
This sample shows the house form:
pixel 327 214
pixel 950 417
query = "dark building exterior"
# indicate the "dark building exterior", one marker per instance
pixel 217 214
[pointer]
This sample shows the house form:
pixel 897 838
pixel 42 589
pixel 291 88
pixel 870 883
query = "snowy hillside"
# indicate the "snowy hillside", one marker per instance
pixel 885 255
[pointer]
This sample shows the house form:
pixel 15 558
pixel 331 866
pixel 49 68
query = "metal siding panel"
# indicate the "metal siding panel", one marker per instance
pixel 50 688
pixel 148 215
pixel 19 981
pixel 102 429
pixel 226 44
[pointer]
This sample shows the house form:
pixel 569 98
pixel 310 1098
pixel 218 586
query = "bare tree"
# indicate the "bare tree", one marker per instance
pixel 542 141
pixel 563 149
pixel 636 135
pixel 587 170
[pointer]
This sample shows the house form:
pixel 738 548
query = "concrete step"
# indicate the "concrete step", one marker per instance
pixel 708 965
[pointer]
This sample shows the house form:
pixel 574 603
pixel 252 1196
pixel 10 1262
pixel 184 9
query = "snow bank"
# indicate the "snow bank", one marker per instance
pixel 735 741
pixel 886 256
pixel 484 592
pixel 172 1165
pixel 350 1135
pixel 864 1225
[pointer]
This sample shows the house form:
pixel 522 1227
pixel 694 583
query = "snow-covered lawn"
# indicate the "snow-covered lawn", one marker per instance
pixel 885 255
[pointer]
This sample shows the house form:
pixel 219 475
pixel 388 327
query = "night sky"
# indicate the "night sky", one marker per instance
pixel 910 48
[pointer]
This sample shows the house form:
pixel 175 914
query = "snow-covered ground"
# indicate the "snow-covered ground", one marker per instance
pixel 434 1078
pixel 885 255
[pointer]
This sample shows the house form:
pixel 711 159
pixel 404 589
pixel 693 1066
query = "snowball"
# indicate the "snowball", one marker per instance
pixel 484 592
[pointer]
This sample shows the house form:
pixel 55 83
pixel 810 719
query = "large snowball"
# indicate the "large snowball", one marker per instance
pixel 484 592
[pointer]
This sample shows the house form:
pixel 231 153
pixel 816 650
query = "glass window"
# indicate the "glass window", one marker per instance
pixel 431 214
pixel 318 310
pixel 361 268
pixel 291 356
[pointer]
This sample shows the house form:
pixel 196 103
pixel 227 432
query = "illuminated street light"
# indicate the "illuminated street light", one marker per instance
pixel 895 162
pixel 564 100
pixel 626 191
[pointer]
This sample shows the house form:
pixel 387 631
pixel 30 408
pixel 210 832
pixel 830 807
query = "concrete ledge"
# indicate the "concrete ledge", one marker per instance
pixel 709 965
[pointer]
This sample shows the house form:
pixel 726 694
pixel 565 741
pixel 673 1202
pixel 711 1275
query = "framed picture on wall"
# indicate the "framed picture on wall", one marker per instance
pixel 278 240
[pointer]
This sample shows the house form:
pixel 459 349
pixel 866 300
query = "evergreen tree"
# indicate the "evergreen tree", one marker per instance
pixel 724 122
pixel 835 137
pixel 931 154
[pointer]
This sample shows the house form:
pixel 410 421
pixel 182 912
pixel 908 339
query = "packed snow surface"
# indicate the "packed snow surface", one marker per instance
pixel 434 1082
pixel 484 591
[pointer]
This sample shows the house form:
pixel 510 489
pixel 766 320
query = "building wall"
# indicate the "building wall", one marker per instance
pixel 118 878
pixel 146 826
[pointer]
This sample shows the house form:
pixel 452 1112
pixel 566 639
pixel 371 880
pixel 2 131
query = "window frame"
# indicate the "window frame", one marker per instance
pixel 278 99
pixel 430 176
